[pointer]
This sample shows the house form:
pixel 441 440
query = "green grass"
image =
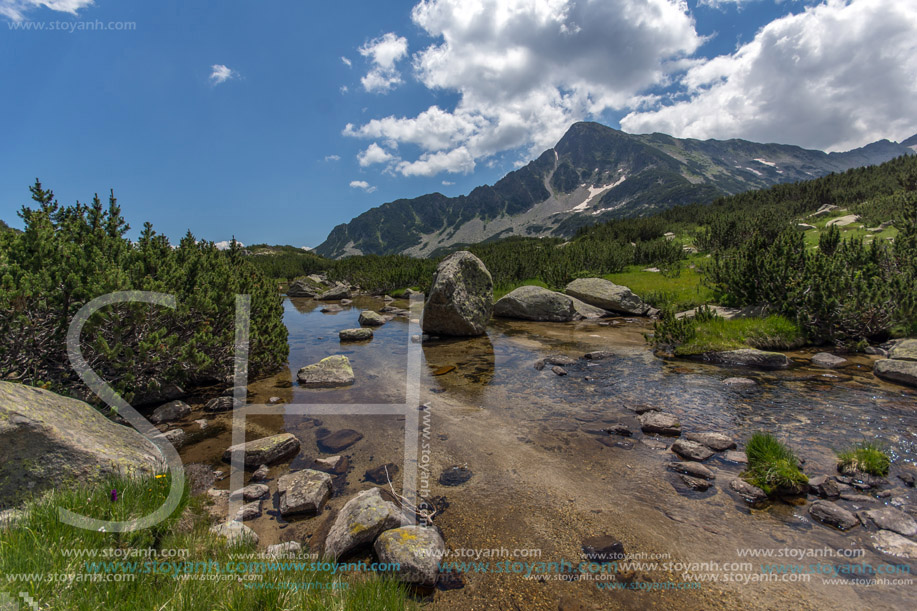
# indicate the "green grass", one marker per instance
pixel 771 333
pixel 772 466
pixel 864 457
pixel 39 545
pixel 682 292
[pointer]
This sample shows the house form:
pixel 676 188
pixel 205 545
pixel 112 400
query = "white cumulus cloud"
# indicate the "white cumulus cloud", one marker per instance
pixel 374 154
pixel 836 76
pixel 221 74
pixel 383 53
pixel 362 184
pixel 524 70
pixel 16 9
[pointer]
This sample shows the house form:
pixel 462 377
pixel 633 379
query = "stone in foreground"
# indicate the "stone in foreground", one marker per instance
pixel 355 335
pixel 173 410
pixel 691 468
pixel 896 370
pixel 893 544
pixel 461 298
pixel 535 303
pixel 266 450
pixel 828 513
pixel 751 494
pixel 658 422
pixel 824 486
pixel 904 350
pixel 304 491
pixel 416 550
pixel 48 441
pixel 331 372
pixel 290 549
pixel 235 533
pixel 606 295
pixel 361 520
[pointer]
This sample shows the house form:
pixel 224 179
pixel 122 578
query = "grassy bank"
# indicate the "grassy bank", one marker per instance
pixel 680 292
pixel 43 549
pixel 707 332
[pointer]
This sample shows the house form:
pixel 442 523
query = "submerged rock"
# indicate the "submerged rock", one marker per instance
pixel 381 474
pixel 415 550
pixel 893 544
pixel 455 476
pixel 739 382
pixel 751 494
pixel 266 450
pixel 693 469
pixel 828 360
pixel 330 372
pixel 607 295
pixel 361 520
pixel 338 440
pixel 747 357
pixel 658 422
pixel 558 370
pixel 834 515
pixel 303 492
pixel 695 483
pixel 889 518
pixel 602 548
pixel 461 298
pixel 219 404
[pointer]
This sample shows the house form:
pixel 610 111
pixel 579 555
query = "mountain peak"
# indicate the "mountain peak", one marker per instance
pixel 910 142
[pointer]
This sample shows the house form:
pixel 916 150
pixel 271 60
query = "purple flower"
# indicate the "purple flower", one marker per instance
pixel 114 496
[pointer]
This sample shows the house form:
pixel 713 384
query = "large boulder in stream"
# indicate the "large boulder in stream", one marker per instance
pixel 897 370
pixel 361 520
pixel 607 295
pixel 461 298
pixel 48 441
pixel 415 550
pixel 535 303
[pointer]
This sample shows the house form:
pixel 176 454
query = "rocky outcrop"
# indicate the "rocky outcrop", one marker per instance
pixel 897 370
pixel 415 550
pixel 361 520
pixel 49 441
pixel 266 450
pixel 330 372
pixel 304 491
pixel 535 303
pixel 607 295
pixel 748 357
pixel 461 298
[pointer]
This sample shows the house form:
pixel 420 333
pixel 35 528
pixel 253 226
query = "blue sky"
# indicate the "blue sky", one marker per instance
pixel 274 121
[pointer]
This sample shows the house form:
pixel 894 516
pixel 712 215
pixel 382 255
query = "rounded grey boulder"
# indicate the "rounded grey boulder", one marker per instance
pixel 535 303
pixel 461 298
pixel 415 550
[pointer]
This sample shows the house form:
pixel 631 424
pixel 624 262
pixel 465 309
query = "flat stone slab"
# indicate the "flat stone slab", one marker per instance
pixel 691 450
pixel 304 491
pixel 659 422
pixel 904 350
pixel 747 357
pixel 266 450
pixel 331 372
pixel 691 468
pixel 897 370
pixel 355 335
pixel 715 441
pixel 834 515
pixel 828 360
pixel 889 518
pixel 893 544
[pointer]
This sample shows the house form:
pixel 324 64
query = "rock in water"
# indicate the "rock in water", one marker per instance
pixel 361 520
pixel 355 335
pixel 828 360
pixel 889 518
pixel 535 303
pixel 173 410
pixel 897 370
pixel 602 548
pixel 691 450
pixel 335 293
pixel 827 512
pixel 691 468
pixel 303 492
pixel 266 450
pixel 48 441
pixel 330 372
pixel 714 441
pixel 894 544
pixel 607 295
pixel 461 298
pixel 302 288
pixel 748 357
pixel 751 494
pixel 338 440
pixel 415 550
pixel 219 404
pixel 904 350
pixel 657 422
pixel 824 486
pixel 455 476
pixel 382 474
pixel 369 318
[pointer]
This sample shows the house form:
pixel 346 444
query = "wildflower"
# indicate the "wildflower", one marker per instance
pixel 114 495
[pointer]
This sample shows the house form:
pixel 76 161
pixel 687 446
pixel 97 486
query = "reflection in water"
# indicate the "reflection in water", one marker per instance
pixel 473 359
pixel 304 305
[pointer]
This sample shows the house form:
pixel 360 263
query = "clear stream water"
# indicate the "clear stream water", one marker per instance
pixel 546 476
